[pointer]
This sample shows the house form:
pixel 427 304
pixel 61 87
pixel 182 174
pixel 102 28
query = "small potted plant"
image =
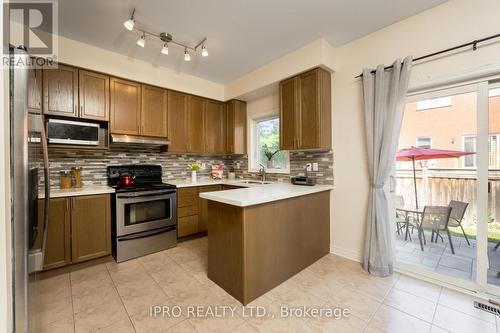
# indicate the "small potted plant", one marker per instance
pixel 193 167
pixel 269 155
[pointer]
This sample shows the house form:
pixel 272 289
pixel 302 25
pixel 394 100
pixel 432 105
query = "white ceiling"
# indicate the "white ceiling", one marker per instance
pixel 242 34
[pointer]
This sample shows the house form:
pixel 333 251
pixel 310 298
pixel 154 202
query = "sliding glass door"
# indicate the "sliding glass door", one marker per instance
pixel 462 249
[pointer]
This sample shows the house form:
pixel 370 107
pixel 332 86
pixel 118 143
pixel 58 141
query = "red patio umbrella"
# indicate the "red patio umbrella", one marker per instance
pixel 417 154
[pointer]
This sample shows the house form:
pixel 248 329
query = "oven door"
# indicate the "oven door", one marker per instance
pixel 142 211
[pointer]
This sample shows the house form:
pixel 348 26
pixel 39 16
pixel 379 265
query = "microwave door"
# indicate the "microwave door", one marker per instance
pixel 72 132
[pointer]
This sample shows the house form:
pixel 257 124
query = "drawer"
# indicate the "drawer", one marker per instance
pixel 210 188
pixel 231 187
pixel 187 211
pixel 187 197
pixel 187 226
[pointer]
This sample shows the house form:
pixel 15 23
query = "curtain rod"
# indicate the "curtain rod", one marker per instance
pixel 472 43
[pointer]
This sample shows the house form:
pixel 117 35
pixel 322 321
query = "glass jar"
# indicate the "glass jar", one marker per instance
pixel 76 173
pixel 65 179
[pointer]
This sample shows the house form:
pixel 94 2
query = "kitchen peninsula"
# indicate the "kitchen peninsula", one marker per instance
pixel 261 236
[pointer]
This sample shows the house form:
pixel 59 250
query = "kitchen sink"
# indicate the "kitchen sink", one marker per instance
pixel 256 182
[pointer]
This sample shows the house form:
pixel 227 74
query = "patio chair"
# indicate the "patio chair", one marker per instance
pixel 458 209
pixel 435 219
pixel 403 218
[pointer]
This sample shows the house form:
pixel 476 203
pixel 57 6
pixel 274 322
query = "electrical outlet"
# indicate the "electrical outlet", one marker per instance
pixel 309 167
pixel 315 167
pixel 203 165
pixel 238 165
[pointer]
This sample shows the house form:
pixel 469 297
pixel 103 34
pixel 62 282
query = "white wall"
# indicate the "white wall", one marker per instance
pixel 87 56
pixel 449 24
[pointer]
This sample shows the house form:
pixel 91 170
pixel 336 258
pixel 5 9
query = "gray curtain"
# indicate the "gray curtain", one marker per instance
pixel 384 99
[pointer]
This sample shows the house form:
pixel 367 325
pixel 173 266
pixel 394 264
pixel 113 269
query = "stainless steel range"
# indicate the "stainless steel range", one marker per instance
pixel 144 211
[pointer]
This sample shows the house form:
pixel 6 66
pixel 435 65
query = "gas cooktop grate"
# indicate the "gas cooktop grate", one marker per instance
pixel 487 308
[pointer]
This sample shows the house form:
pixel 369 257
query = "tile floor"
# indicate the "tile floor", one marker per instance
pixel 109 297
pixel 437 257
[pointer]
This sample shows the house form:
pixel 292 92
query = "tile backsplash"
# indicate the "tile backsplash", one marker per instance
pixel 174 165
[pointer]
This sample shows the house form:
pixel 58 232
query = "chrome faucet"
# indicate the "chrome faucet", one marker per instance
pixel 262 172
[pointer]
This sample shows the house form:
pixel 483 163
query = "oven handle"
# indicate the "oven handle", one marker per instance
pixel 129 196
pixel 147 234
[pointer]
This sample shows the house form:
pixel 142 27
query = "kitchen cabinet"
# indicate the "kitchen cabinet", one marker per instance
pixel 215 127
pixel 79 229
pixel 93 95
pixel 196 133
pixel 305 111
pixel 177 114
pixel 60 91
pixel 236 127
pixel 203 206
pixel 125 107
pixel 58 245
pixel 35 90
pixel 90 227
pixel 154 111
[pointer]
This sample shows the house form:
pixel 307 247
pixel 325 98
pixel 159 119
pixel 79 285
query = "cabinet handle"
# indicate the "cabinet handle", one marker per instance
pixel 138 129
pixel 81 111
pixel 72 204
pixel 67 205
pixel 75 110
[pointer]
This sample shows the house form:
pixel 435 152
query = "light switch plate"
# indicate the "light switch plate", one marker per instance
pixel 309 167
pixel 315 167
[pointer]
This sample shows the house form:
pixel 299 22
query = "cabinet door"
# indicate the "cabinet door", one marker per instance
pixel 203 207
pixel 236 127
pixel 94 95
pixel 187 226
pixel 308 120
pixel 154 112
pixel 196 141
pixel 58 246
pixel 177 114
pixel 35 90
pixel 125 107
pixel 215 131
pixel 90 227
pixel 60 91
pixel 288 111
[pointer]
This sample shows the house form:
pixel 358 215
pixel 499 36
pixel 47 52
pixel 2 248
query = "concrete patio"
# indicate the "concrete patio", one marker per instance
pixel 437 257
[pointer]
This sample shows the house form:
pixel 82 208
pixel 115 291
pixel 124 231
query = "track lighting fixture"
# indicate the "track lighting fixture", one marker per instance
pixel 129 24
pixel 142 41
pixel 164 50
pixel 187 56
pixel 164 37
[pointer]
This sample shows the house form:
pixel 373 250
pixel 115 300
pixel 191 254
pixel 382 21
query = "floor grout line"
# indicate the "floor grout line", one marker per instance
pixel 120 297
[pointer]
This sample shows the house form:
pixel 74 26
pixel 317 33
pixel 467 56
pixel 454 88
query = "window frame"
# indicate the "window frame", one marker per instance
pixel 252 124
pixel 464 137
pixel 447 103
pixel 423 137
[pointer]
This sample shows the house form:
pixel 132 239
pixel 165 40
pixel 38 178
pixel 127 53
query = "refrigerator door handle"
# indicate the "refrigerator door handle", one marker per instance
pixel 46 175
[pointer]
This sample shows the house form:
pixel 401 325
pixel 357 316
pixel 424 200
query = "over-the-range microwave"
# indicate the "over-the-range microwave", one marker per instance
pixel 71 132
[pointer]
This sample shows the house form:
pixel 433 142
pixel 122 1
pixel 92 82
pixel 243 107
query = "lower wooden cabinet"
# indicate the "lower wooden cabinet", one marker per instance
pixel 58 246
pixel 90 227
pixel 192 210
pixel 79 229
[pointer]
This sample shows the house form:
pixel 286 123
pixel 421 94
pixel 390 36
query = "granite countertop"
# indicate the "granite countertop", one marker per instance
pixel 72 192
pixel 265 193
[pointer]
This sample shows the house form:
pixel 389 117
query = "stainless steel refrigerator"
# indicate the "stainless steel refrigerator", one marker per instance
pixel 28 164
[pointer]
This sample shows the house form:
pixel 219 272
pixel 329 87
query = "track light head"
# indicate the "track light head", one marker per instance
pixel 129 24
pixel 164 50
pixel 204 52
pixel 187 56
pixel 142 41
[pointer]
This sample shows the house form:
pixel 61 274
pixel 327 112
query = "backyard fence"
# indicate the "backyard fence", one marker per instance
pixel 439 187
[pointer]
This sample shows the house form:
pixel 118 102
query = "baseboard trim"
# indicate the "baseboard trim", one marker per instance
pixel 346 253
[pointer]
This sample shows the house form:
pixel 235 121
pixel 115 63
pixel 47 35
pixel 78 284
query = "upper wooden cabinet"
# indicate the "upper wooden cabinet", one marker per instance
pixel 177 115
pixel 236 127
pixel 93 95
pixel 35 90
pixel 154 111
pixel 196 133
pixel 60 91
pixel 305 111
pixel 215 127
pixel 125 107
